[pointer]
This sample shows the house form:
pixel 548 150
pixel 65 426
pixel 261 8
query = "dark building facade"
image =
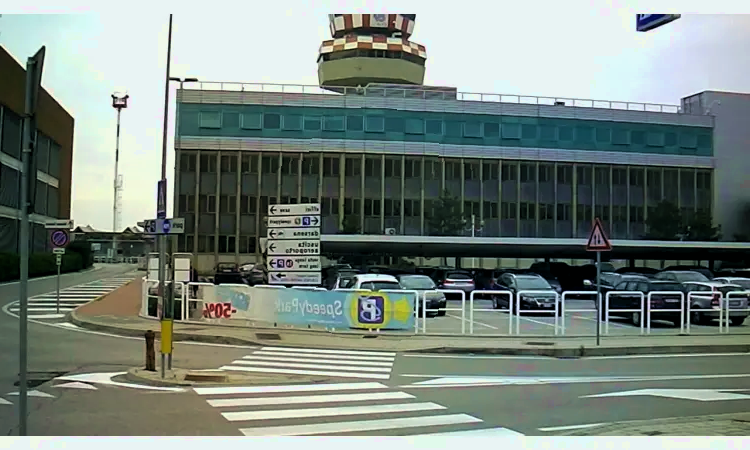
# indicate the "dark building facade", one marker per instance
pixel 54 158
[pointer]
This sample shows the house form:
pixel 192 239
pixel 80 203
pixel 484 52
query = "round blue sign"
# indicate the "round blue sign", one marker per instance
pixel 60 238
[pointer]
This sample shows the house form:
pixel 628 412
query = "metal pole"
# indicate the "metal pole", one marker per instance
pixel 170 258
pixel 162 239
pixel 598 295
pixel 114 203
pixel 58 257
pixel 23 244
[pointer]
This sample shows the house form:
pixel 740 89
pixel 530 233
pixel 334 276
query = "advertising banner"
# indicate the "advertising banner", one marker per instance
pixel 336 309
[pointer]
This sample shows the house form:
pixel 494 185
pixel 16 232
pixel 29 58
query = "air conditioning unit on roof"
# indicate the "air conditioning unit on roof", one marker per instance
pixel 390 231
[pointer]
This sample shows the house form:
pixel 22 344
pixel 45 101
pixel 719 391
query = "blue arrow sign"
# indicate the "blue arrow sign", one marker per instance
pixel 646 22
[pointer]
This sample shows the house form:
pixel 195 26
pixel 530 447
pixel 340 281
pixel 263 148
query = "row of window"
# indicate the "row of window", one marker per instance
pixel 208 243
pixel 46 150
pixel 344 121
pixel 472 170
pixel 413 208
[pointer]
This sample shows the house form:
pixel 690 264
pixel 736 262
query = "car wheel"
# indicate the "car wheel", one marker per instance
pixel 696 317
pixel 441 313
pixel 737 321
pixel 636 319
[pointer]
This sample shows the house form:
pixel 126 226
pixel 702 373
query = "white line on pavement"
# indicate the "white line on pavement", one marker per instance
pixel 305 399
pixel 306 372
pixel 478 323
pixel 329 412
pixel 412 355
pixel 231 390
pixel 572 427
pixel 326 351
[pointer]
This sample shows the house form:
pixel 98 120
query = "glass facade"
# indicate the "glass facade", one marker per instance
pixel 223 195
pixel 484 130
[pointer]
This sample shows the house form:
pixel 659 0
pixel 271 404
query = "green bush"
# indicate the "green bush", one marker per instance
pixel 82 248
pixel 9 267
pixel 41 264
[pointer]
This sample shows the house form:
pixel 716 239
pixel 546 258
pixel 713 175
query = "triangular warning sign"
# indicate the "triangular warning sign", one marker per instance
pixel 598 241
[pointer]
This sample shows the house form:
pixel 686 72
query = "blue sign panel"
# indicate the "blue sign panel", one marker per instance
pixel 646 22
pixel 161 200
pixel 337 309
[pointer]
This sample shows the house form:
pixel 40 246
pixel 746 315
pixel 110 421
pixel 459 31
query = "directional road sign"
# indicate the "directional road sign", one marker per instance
pixel 294 233
pixel 297 247
pixel 294 222
pixel 294 263
pixel 164 226
pixel 161 199
pixel 598 241
pixel 647 22
pixel 60 238
pixel 58 251
pixel 294 210
pixel 295 278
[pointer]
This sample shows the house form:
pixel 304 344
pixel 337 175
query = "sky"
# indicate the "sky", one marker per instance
pixel 571 50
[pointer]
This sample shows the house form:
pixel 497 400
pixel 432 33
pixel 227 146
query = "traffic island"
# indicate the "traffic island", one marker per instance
pixel 183 377
pixel 715 425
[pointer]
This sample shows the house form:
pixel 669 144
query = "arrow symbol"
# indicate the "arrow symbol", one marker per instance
pixel 273 210
pixel 314 220
pixel 280 276
pixel 272 246
pixel 273 234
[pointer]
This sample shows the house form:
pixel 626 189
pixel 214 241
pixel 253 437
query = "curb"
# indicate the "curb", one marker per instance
pixel 623 426
pixel 133 377
pixel 580 352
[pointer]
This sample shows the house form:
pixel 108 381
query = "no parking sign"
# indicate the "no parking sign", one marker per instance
pixel 60 238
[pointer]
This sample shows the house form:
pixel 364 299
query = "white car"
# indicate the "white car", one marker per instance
pixel 372 282
pixel 744 283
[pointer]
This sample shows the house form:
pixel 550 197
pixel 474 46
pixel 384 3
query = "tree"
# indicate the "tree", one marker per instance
pixel 665 222
pixel 350 225
pixel 700 227
pixel 446 219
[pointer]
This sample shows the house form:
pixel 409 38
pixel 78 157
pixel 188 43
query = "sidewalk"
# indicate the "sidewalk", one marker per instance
pixel 718 425
pixel 117 313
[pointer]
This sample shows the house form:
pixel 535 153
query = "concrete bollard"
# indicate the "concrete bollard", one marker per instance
pixel 150 351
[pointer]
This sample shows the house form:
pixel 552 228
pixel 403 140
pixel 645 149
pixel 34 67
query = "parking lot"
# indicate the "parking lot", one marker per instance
pixel 487 321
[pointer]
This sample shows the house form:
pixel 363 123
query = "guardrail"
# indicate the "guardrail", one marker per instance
pixel 495 306
pixel 517 311
pixel 424 308
pixel 564 309
pixel 638 321
pixel 681 309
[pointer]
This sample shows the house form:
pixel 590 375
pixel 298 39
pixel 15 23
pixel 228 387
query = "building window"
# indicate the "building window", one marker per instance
pixel 508 210
pixel 333 123
pixel 353 167
pixel 688 140
pixel 565 133
pixel 452 170
pixel 414 126
pixel 584 134
pixel 312 123
pixel 636 177
pixel 619 176
pixel 250 163
pixel 372 207
pixel 563 212
pixel 528 131
pixel 510 172
pixel 207 204
pixel 528 173
pixel 289 165
pixel 528 211
pixel 375 124
pixel 226 244
pixel 490 170
pixel 251 121
pixel 511 131
pixel 392 168
pixel 292 122
pixel 187 162
pixel 412 168
pixel 547 133
pixel 564 174
pixel 490 210
pixel 330 166
pixel 546 211
pixel 584 175
pixel 373 167
pixel 473 129
pixel 311 164
pixel 434 127
pixel 703 180
pixel 271 121
pixel 229 163
pixel 491 129
pixel 620 137
pixel 228 204
pixel 208 163
pixel 210 119
pixel 432 169
pixel 355 123
pixel 471 171
pixel 603 135
pixel 270 164
pixel 394 125
pixel 546 173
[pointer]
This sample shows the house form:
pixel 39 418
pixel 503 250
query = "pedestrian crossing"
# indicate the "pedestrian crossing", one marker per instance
pixel 44 307
pixel 316 362
pixel 361 408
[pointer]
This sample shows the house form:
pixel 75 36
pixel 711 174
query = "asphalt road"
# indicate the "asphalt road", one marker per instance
pixel 61 350
pixel 545 396
pixel 488 321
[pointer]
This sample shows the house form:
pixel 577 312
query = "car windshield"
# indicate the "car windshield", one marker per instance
pixel 610 278
pixel 684 277
pixel 666 287
pixel 532 283
pixel 383 285
pixel 458 276
pixel 417 282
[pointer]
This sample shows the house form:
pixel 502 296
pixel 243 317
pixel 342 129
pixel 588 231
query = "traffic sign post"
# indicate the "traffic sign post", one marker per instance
pixel 598 242
pixel 58 258
pixel 293 245
pixel 59 238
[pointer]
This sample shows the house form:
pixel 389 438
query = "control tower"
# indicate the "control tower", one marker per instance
pixel 371 48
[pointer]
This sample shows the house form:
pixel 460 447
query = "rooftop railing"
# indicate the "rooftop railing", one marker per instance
pixel 434 93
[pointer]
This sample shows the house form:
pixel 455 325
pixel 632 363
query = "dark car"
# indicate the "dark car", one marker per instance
pixel 645 271
pixel 681 276
pixel 543 298
pixel 619 300
pixel 422 284
pixel 228 273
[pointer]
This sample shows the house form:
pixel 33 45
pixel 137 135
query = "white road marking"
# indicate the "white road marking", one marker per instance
pixel 45 316
pixel 331 356
pixel 481 432
pixel 478 323
pixel 326 351
pixel 701 395
pixel 329 412
pixel 67 324
pixel 76 385
pixel 678 355
pixel 296 400
pixel 34 393
pixel 106 379
pixel 613 324
pixel 311 366
pixel 321 361
pixel 5 402
pixel 33 309
pixel 367 425
pixel 307 372
pixel 426 355
pixel 572 427
pixel 230 390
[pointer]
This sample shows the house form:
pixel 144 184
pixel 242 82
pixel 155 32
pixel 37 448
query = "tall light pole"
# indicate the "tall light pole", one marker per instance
pixel 167 298
pixel 177 146
pixel 119 102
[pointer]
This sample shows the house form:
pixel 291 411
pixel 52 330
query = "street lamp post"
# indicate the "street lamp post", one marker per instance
pixel 177 146
pixel 119 102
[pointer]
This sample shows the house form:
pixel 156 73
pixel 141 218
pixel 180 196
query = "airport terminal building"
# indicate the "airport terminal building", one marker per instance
pixel 374 144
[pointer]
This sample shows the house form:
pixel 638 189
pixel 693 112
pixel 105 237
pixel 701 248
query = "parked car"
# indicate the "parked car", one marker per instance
pixel 343 278
pixel 619 300
pixel 486 279
pixel 681 276
pixel 373 282
pixel 742 282
pixel 645 271
pixel 702 270
pixel 708 295
pixel 544 300
pixel 453 279
pixel 228 273
pixel 422 284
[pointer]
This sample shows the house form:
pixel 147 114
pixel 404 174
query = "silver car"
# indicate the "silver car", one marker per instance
pixel 422 284
pixel 707 295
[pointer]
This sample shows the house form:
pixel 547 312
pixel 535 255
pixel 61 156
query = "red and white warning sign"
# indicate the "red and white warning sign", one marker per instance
pixel 598 241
